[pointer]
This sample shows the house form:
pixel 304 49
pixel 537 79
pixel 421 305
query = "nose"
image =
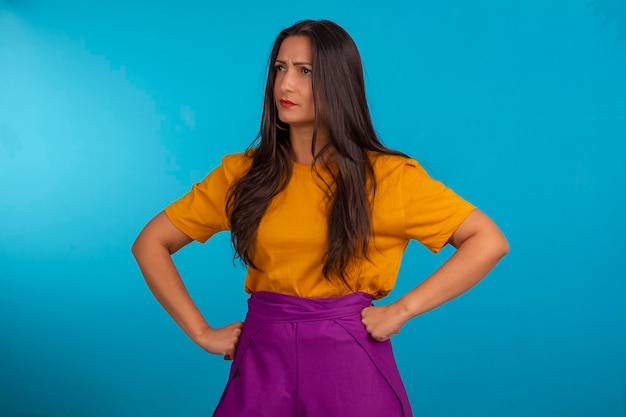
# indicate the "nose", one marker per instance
pixel 286 82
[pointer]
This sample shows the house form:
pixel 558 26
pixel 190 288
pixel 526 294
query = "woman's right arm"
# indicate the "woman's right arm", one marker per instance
pixel 153 250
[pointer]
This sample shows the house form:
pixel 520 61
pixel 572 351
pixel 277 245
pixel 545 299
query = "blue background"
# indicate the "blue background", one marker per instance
pixel 110 110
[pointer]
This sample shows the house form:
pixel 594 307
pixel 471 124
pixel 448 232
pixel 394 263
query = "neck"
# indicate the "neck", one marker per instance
pixel 301 139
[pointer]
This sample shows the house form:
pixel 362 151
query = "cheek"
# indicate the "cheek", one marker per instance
pixel 308 94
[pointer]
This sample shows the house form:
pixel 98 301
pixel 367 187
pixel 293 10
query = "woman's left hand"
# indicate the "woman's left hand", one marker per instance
pixel 382 322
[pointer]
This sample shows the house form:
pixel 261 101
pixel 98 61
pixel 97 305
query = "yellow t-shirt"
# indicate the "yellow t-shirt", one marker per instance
pixel 291 238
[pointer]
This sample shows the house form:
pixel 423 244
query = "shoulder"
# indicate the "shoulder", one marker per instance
pixel 237 164
pixel 386 165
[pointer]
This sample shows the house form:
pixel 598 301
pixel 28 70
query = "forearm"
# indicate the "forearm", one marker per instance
pixel 472 261
pixel 164 281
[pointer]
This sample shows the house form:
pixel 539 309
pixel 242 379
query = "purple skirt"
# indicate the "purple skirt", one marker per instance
pixel 302 357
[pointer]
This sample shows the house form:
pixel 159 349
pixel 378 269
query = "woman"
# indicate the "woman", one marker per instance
pixel 320 212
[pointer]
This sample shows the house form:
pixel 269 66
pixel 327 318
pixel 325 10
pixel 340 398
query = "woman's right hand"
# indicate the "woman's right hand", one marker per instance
pixel 220 341
pixel 153 250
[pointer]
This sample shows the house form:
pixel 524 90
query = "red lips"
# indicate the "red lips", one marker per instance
pixel 287 103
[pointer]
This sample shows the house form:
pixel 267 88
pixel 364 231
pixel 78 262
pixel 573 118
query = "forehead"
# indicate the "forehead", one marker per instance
pixel 295 49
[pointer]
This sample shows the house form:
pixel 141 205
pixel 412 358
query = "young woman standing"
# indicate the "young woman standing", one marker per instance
pixel 321 213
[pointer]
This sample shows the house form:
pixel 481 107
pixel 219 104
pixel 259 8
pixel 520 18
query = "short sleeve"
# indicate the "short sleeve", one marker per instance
pixel 202 211
pixel 432 211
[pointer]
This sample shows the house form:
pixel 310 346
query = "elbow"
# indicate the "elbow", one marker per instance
pixel 493 245
pixel 505 249
pixel 501 246
pixel 135 248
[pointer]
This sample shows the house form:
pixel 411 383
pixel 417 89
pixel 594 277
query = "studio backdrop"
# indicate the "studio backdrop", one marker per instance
pixel 111 110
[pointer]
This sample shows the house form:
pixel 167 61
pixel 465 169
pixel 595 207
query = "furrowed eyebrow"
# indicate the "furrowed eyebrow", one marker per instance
pixel 299 63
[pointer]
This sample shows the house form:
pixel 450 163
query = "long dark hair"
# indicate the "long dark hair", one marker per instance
pixel 339 91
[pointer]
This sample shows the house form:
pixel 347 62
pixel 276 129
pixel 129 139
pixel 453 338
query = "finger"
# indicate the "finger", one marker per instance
pixel 380 338
pixel 230 354
pixel 363 317
pixel 235 326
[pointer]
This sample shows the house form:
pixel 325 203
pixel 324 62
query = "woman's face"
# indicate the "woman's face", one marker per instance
pixel 293 88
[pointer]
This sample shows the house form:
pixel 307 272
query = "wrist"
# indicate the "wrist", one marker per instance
pixel 200 333
pixel 405 309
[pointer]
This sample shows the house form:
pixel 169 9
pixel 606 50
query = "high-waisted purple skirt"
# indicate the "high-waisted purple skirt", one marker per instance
pixel 302 357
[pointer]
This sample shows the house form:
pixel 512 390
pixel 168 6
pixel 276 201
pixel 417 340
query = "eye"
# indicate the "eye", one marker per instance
pixel 306 71
pixel 279 68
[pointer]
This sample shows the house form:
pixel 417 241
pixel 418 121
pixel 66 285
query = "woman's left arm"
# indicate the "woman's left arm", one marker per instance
pixel 480 245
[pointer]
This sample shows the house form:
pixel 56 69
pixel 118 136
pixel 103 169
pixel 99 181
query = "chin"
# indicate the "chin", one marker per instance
pixel 292 122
